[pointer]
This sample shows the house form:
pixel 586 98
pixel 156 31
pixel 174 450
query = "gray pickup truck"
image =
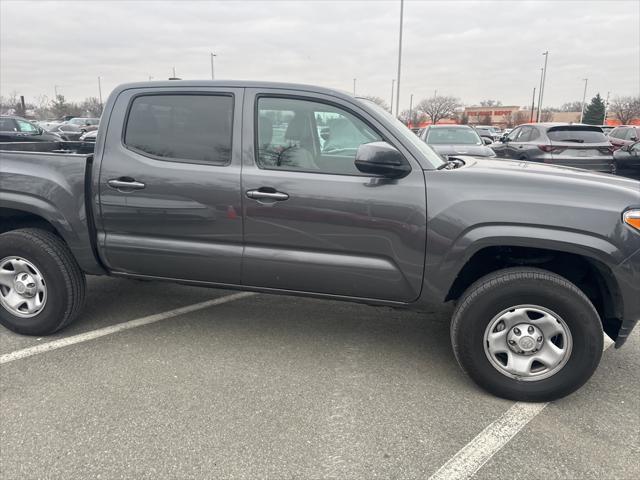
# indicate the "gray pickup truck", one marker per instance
pixel 299 190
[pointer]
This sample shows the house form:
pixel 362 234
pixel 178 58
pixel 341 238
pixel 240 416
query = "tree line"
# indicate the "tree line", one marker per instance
pixel 440 107
pixel 45 108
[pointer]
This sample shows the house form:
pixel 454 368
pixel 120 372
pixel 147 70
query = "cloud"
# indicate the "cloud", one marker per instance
pixel 471 49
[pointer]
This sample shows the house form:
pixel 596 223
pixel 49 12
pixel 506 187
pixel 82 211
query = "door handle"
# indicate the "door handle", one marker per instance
pixel 125 183
pixel 264 195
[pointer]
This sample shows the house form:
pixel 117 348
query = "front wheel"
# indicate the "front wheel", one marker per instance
pixel 527 334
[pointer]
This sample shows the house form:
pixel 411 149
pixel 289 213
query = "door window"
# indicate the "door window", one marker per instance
pixel 181 128
pixel 26 127
pixel 295 134
pixel 525 134
pixel 513 134
pixel 7 125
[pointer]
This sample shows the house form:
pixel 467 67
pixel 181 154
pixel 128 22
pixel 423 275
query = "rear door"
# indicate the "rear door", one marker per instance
pixel 170 184
pixel 312 221
pixel 8 130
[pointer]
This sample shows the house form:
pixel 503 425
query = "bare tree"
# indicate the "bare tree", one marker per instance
pixel 517 118
pixel 92 107
pixel 575 106
pixel 415 117
pixel 437 108
pixel 490 103
pixel 625 109
pixel 546 115
pixel 378 101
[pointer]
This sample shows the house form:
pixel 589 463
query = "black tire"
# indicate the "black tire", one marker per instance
pixel 511 287
pixel 65 282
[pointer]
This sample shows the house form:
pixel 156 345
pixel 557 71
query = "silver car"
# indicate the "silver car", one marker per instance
pixel 448 140
pixel 580 146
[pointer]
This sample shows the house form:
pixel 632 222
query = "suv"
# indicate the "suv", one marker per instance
pixel 581 146
pixel 624 135
pixel 17 129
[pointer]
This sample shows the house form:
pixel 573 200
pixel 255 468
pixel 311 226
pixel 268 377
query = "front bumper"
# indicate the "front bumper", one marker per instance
pixel 628 277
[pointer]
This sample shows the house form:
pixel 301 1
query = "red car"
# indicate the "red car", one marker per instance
pixel 624 135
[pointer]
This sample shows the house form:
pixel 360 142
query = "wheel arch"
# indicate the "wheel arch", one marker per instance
pixel 582 259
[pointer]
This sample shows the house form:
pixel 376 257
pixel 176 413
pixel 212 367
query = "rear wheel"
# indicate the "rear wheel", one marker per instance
pixel 527 334
pixel 42 288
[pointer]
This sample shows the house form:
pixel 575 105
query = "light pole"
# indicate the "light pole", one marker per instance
pixel 533 104
pixel 100 91
pixel 584 98
pixel 393 82
pixel 544 79
pixel 55 90
pixel 399 59
pixel 354 87
pixel 212 71
pixel 411 110
pixel 606 108
pixel 539 95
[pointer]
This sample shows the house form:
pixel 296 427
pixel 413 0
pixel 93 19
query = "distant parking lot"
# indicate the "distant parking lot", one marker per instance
pixel 281 387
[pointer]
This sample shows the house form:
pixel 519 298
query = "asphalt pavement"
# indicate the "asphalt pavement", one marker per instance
pixel 280 387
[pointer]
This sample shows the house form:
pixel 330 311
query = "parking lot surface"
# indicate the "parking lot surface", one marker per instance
pixel 282 387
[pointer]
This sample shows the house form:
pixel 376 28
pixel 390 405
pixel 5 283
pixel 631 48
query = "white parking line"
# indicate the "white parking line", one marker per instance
pixel 488 442
pixel 101 332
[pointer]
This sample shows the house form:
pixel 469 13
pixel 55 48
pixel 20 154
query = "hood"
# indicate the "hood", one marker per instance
pixel 473 150
pixel 572 179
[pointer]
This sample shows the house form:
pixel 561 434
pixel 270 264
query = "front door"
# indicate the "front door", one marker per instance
pixel 170 185
pixel 312 221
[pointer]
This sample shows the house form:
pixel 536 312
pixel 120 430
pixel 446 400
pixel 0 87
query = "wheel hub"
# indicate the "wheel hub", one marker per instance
pixel 25 285
pixel 525 339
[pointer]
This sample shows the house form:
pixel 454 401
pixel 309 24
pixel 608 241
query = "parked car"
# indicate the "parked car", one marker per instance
pixel 85 124
pixel 89 136
pixel 17 129
pixel 68 131
pixel 580 146
pixel 624 135
pixel 449 140
pixel 186 187
pixel 627 160
pixel 488 131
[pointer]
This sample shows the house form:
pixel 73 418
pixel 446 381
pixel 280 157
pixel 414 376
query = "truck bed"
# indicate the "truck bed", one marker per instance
pixel 50 178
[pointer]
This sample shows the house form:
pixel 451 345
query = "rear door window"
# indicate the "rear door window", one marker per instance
pixel 7 125
pixel 181 128
pixel 576 135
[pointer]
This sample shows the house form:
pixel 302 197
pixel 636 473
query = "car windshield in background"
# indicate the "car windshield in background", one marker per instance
pixel 452 136
pixel 432 157
pixel 576 134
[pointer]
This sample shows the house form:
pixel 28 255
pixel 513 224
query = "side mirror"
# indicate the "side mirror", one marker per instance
pixel 487 141
pixel 382 159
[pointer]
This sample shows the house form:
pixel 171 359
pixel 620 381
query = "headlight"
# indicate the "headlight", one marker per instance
pixel 632 217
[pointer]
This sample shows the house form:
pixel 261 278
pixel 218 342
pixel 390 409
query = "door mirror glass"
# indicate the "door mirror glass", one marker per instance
pixel 380 158
pixel 487 141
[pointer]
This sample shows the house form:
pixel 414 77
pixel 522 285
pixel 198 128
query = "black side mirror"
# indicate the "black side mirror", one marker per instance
pixel 382 159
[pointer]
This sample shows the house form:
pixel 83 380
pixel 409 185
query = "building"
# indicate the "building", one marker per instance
pixel 500 116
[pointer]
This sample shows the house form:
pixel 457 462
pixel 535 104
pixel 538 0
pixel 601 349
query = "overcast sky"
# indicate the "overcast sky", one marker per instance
pixel 471 49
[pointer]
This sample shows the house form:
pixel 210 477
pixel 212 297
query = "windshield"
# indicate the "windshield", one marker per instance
pixel 452 136
pixel 432 157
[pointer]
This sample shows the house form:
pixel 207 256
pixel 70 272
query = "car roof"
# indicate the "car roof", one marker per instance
pixel 237 84
pixel 448 125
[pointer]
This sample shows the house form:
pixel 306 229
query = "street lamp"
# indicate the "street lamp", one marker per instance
pixel 539 95
pixel 212 71
pixel 584 98
pixel 393 81
pixel 544 79
pixel 354 87
pixel 399 59
pixel 100 91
